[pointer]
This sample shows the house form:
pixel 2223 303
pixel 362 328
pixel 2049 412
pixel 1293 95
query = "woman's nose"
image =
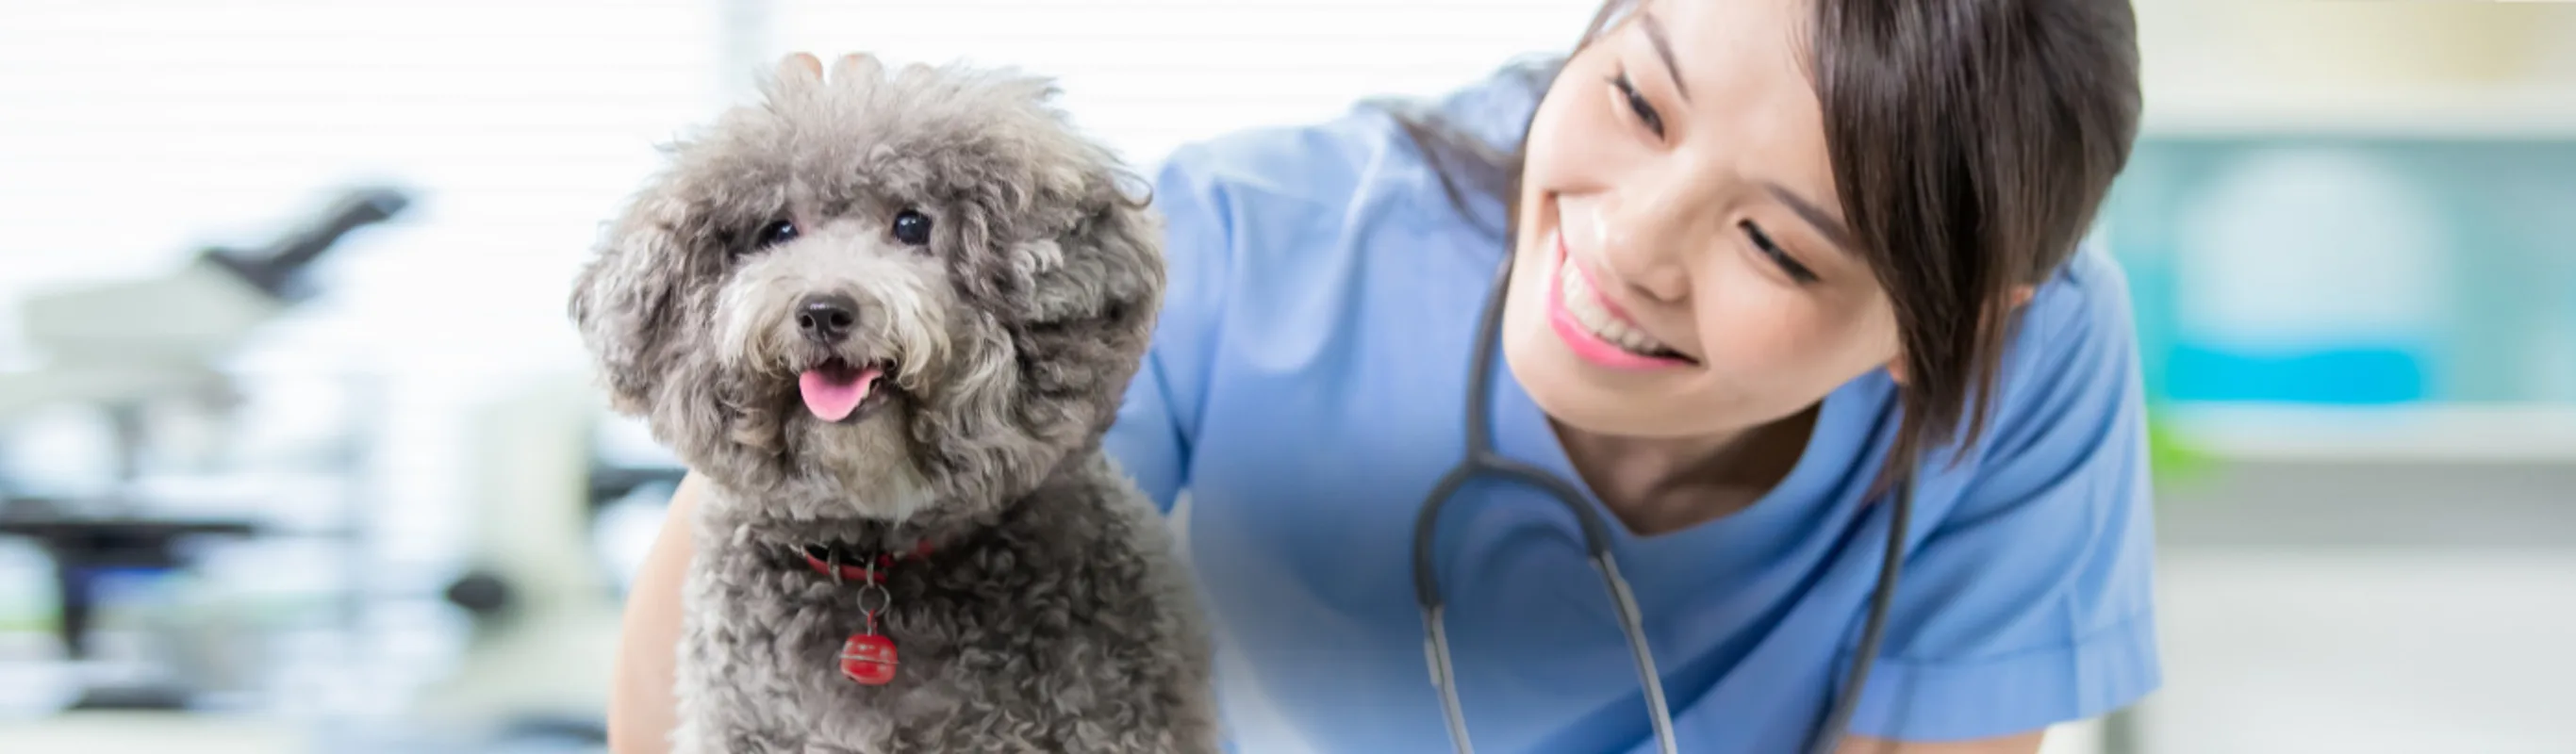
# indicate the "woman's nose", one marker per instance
pixel 1643 243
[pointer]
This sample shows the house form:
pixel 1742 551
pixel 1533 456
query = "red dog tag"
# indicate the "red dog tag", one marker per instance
pixel 868 658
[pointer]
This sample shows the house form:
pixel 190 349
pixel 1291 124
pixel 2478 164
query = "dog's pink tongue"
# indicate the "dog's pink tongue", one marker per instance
pixel 832 398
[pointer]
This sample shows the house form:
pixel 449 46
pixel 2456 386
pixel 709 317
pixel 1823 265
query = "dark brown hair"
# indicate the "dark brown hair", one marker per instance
pixel 1972 142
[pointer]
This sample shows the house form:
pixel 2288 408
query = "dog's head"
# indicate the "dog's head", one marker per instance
pixel 876 291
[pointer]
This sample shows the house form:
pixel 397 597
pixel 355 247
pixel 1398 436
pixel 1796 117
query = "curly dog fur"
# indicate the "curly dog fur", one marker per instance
pixel 994 266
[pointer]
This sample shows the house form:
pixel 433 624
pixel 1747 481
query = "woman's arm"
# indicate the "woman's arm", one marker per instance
pixel 641 710
pixel 2025 743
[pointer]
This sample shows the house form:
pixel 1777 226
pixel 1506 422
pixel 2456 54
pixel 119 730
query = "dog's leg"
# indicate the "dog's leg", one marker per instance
pixel 715 726
pixel 699 736
pixel 728 702
pixel 691 740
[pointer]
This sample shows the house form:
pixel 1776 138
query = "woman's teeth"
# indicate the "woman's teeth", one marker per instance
pixel 1588 312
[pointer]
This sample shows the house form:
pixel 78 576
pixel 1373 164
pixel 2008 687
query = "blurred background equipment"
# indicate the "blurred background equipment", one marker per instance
pixel 124 348
pixel 539 584
pixel 126 345
pixel 2346 227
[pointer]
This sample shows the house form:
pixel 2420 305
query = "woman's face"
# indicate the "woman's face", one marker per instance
pixel 1678 270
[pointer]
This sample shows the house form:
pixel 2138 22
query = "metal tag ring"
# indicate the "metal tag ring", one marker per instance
pixel 884 599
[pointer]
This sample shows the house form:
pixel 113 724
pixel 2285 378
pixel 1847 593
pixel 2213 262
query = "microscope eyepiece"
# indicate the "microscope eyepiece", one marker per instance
pixel 274 268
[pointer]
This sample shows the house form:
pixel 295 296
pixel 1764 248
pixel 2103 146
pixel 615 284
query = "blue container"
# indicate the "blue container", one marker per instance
pixel 2351 271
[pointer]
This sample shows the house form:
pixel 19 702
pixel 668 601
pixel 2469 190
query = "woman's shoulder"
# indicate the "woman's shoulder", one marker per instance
pixel 1337 169
pixel 1493 109
pixel 2087 297
pixel 1303 165
pixel 2072 369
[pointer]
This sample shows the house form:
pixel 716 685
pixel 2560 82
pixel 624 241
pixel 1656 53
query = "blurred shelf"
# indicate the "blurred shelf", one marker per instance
pixel 2538 111
pixel 2483 433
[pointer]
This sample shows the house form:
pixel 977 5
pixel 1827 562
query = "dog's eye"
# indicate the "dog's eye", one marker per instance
pixel 776 232
pixel 912 228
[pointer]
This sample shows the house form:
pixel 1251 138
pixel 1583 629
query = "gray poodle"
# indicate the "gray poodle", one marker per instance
pixel 889 315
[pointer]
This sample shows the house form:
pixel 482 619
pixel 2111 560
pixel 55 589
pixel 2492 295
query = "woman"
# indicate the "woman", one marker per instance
pixel 1765 257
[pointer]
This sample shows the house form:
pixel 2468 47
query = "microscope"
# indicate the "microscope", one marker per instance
pixel 115 343
pixel 121 347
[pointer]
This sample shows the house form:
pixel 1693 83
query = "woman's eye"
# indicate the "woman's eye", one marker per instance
pixel 1772 250
pixel 912 228
pixel 775 233
pixel 1645 111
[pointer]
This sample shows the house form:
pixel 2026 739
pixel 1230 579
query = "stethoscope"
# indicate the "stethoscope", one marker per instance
pixel 1481 458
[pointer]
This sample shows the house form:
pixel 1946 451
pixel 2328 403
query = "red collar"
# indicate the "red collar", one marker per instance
pixel 861 573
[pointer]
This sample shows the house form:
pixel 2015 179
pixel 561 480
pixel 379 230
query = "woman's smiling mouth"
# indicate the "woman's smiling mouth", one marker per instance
pixel 1593 327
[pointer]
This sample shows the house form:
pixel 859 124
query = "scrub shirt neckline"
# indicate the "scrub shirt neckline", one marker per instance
pixel 1522 431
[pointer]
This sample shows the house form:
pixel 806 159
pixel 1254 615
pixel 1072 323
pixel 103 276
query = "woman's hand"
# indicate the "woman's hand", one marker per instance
pixel 805 64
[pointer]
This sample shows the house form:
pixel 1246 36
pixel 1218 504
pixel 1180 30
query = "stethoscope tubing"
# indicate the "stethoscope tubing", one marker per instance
pixel 1481 459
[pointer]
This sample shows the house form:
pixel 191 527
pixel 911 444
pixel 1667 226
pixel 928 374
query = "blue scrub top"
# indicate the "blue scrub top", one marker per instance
pixel 1305 390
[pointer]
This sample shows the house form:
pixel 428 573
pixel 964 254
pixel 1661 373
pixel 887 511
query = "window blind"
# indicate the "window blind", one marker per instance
pixel 1147 75
pixel 137 131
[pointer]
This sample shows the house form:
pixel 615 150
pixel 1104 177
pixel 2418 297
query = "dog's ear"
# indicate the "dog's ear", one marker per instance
pixel 1128 227
pixel 1118 245
pixel 626 300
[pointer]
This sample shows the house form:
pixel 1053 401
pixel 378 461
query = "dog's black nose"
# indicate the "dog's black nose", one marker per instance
pixel 826 318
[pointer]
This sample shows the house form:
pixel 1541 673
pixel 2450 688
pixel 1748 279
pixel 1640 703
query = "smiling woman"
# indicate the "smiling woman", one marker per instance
pixel 1761 258
pixel 1692 169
